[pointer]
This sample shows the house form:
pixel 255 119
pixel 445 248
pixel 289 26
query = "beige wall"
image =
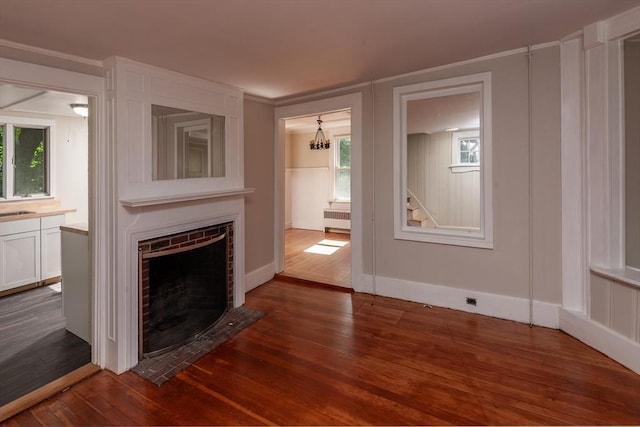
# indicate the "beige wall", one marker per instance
pixel 505 269
pixel 259 174
pixel 632 151
pixel 299 155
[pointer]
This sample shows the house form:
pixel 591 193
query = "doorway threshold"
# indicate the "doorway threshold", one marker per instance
pixel 46 391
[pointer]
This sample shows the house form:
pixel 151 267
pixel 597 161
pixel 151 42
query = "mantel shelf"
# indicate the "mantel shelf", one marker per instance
pixel 178 198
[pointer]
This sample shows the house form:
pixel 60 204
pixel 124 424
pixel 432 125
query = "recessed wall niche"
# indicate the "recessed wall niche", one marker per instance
pixel 186 144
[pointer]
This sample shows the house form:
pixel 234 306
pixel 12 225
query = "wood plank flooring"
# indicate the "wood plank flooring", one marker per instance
pixel 322 357
pixel 334 269
pixel 35 348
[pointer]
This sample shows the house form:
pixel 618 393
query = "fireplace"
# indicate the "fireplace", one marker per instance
pixel 185 286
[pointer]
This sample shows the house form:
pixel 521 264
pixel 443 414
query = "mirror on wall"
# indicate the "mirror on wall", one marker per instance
pixel 631 47
pixel 187 144
pixel 443 148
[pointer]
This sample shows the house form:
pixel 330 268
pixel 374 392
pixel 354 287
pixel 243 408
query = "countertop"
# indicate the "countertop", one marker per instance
pixel 80 228
pixel 36 214
pixel 40 207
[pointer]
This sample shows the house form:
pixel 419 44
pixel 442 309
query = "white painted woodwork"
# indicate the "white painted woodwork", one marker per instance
pixel 76 283
pixel 29 250
pixel 453 199
pixel 309 196
pixel 19 259
pixel 148 209
pixel 101 184
pixel 354 103
pixel 482 238
pixel 50 252
pixel 600 295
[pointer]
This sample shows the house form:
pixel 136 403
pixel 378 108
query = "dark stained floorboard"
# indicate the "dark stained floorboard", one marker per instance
pixel 35 348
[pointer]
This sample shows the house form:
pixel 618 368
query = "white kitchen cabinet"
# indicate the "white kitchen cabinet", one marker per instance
pixel 50 244
pixel 76 289
pixel 19 253
pixel 29 251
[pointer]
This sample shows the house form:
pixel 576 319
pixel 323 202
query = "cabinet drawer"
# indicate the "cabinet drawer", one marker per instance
pixel 51 221
pixel 19 226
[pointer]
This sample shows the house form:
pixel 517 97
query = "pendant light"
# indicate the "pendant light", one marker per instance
pixel 320 142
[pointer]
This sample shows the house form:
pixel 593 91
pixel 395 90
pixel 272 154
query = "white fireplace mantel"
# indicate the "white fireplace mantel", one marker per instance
pixel 162 200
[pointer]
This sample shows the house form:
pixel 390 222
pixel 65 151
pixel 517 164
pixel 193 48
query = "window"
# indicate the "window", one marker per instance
pixel 469 150
pixel 342 189
pixel 465 151
pixel 25 157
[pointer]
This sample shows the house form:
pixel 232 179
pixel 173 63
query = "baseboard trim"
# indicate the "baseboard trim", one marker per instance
pixel 618 347
pixel 488 304
pixel 259 276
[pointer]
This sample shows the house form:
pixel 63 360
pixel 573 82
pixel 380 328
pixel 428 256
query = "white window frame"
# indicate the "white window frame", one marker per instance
pixel 9 173
pixel 456 165
pixel 336 167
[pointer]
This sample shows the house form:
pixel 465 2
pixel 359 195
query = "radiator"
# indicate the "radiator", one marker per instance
pixel 337 220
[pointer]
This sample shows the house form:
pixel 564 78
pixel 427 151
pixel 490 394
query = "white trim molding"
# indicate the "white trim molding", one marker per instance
pixel 481 237
pixel 101 183
pixel 501 306
pixel 616 346
pixel 593 224
pixel 259 276
pixel 354 103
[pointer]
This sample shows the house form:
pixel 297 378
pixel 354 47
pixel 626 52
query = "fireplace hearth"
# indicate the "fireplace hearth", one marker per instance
pixel 185 285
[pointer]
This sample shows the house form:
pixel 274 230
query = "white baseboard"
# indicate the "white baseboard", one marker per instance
pixel 618 347
pixel 495 305
pixel 259 276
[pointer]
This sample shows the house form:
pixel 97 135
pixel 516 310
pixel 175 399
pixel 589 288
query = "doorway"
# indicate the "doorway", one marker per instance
pixel 318 198
pixel 40 342
pixel 316 187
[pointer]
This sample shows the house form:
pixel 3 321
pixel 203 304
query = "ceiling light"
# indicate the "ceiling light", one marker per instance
pixel 80 109
pixel 451 129
pixel 320 142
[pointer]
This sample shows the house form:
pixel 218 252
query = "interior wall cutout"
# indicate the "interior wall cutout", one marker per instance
pixel 442 164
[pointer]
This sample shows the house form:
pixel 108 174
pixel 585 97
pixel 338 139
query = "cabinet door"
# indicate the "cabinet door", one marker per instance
pixel 50 253
pixel 19 259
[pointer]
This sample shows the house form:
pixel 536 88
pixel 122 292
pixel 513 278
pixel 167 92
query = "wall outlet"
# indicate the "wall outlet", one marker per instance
pixel 471 301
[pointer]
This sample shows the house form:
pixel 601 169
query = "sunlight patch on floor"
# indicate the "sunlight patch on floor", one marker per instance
pixel 321 249
pixel 56 287
pixel 329 242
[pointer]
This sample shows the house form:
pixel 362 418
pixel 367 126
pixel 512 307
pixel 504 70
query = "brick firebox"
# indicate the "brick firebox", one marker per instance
pixel 192 277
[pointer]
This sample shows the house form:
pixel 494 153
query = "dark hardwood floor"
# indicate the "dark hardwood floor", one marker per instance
pixel 322 357
pixel 333 269
pixel 35 348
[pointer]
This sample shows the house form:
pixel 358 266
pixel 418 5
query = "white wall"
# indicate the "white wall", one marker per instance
pixel 72 159
pixel 451 198
pixel 71 163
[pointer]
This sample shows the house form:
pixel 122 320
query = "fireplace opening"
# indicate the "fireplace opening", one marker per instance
pixel 186 287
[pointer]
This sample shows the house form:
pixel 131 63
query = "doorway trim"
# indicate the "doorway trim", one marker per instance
pixel 48 78
pixel 354 103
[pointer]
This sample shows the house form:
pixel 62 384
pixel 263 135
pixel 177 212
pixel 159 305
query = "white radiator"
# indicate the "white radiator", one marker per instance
pixel 338 220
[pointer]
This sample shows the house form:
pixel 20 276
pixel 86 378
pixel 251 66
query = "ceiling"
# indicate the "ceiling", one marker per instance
pixel 282 48
pixel 38 101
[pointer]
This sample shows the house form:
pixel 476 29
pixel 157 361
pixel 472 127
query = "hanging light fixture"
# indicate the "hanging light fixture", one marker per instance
pixel 320 142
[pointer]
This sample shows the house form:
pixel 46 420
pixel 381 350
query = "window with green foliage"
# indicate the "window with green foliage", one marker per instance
pixel 24 157
pixel 342 189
